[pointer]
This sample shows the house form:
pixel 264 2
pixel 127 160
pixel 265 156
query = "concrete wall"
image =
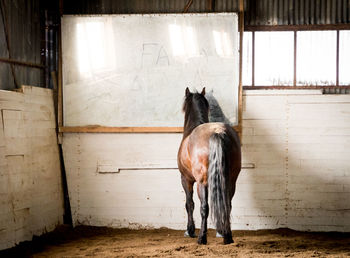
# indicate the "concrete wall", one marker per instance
pixel 298 141
pixel 30 178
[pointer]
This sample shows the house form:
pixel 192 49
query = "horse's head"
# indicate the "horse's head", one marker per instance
pixel 196 109
pixel 195 102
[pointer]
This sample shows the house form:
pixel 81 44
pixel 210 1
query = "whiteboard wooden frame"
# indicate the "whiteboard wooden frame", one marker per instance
pixel 109 129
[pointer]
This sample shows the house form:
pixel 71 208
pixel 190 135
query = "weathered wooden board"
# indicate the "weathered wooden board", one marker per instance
pixel 30 183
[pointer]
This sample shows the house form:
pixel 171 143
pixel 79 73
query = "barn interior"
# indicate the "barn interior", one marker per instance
pixel 74 162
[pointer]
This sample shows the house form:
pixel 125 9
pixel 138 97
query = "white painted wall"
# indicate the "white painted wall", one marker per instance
pixel 30 178
pixel 299 142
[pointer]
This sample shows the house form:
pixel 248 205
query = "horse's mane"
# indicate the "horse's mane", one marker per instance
pixel 196 108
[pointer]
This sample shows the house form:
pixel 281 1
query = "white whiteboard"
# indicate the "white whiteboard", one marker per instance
pixel 132 70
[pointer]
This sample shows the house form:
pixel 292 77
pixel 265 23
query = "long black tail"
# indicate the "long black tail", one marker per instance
pixel 218 176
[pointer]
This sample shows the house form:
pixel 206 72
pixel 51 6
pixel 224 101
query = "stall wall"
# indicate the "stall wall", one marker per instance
pixel 30 177
pixel 297 141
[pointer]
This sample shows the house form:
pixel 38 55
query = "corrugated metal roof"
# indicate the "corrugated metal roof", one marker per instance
pixel 257 12
pixel 145 6
pixel 297 12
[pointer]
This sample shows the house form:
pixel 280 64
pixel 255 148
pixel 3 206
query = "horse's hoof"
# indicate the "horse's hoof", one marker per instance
pixel 188 235
pixel 219 235
pixel 202 240
pixel 228 241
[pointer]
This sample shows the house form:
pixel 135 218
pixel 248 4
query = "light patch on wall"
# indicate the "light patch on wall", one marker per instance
pixel 95 53
pixel 191 41
pixel 183 40
pixel 176 40
pixel 223 45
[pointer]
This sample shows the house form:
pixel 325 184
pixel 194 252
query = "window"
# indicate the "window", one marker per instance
pixel 317 58
pixel 344 57
pixel 274 56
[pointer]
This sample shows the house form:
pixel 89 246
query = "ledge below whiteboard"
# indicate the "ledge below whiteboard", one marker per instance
pixel 108 129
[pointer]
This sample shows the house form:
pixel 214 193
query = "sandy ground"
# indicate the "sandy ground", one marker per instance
pixel 105 242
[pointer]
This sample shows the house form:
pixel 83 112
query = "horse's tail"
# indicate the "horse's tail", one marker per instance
pixel 218 181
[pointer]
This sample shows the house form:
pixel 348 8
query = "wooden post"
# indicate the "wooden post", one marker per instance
pixel 59 90
pixel 55 97
pixel 240 92
pixel 210 6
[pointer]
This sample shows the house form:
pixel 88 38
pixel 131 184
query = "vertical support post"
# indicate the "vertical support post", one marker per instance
pixel 59 93
pixel 210 6
pixel 253 58
pixel 240 92
pixel 295 60
pixel 46 50
pixel 67 218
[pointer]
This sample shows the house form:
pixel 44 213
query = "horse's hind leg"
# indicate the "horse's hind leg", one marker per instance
pixel 228 236
pixel 203 196
pixel 188 187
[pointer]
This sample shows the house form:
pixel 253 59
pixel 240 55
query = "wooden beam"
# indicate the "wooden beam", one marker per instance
pixel 297 27
pixel 59 90
pixel 295 60
pixel 209 6
pixel 240 91
pixel 16 62
pixel 108 129
pixel 187 6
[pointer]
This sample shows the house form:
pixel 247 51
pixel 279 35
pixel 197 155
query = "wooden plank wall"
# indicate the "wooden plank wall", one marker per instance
pixel 30 178
pixel 300 144
pixel 298 141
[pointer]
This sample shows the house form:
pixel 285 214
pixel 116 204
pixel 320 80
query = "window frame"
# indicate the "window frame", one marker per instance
pixel 295 29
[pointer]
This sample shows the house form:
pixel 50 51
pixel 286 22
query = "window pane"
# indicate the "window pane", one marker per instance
pixel 274 58
pixel 344 57
pixel 247 59
pixel 316 57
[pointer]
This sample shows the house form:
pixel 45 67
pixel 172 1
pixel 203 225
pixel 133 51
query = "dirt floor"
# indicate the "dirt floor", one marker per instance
pixel 106 242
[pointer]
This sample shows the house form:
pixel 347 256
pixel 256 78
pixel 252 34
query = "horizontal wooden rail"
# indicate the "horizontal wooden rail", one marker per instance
pixel 22 63
pixel 108 129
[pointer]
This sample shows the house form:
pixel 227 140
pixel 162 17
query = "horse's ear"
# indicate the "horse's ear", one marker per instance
pixel 187 92
pixel 203 91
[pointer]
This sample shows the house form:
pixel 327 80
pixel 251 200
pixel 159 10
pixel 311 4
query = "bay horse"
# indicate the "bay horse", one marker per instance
pixel 210 155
